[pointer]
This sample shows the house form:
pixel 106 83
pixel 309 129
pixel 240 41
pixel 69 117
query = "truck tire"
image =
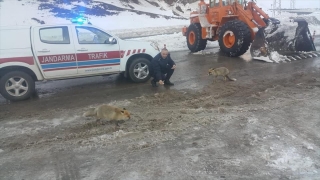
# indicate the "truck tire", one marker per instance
pixel 139 70
pixel 194 38
pixel 234 38
pixel 17 86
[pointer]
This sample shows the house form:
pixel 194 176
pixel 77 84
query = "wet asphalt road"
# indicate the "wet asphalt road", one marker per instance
pixel 190 74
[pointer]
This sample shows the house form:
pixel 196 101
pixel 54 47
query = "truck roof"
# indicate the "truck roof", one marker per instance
pixel 14 27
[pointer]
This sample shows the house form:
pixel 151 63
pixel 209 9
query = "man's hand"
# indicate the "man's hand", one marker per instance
pixel 173 67
pixel 161 82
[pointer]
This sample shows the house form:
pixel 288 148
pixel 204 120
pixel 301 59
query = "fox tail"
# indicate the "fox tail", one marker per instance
pixel 90 112
pixel 231 79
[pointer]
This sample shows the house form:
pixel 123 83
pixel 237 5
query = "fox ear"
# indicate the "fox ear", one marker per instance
pixel 124 108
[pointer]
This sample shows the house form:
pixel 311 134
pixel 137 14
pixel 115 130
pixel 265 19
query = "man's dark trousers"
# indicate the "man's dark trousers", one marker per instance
pixel 165 76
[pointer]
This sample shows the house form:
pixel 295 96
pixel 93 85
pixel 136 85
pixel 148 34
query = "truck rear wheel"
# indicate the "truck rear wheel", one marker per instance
pixel 16 86
pixel 234 38
pixel 139 70
pixel 194 38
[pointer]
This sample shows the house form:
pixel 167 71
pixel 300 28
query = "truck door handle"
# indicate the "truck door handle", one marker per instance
pixel 44 50
pixel 82 49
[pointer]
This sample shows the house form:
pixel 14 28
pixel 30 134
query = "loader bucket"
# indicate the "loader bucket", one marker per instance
pixel 287 42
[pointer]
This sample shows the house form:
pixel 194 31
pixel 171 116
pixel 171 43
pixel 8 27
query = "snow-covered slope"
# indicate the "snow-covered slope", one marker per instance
pixel 126 18
pixel 108 14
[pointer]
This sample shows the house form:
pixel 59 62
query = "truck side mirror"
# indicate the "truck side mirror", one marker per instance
pixel 111 40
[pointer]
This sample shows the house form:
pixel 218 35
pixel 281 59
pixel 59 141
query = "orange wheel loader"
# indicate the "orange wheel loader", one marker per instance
pixel 238 24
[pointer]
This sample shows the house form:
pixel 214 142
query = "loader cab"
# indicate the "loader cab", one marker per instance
pixel 217 10
pixel 219 3
pixel 214 3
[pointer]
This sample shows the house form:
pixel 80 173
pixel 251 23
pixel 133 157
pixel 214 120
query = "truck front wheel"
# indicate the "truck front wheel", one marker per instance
pixel 195 42
pixel 234 38
pixel 16 86
pixel 139 70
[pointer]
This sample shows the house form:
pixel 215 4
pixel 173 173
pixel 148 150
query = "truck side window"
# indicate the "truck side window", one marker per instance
pixel 55 35
pixel 90 35
pixel 225 2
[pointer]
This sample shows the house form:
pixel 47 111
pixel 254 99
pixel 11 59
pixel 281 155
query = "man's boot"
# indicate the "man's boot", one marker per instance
pixel 153 82
pixel 167 82
pixel 168 76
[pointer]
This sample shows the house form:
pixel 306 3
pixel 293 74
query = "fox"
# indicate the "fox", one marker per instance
pixel 263 51
pixel 221 71
pixel 108 112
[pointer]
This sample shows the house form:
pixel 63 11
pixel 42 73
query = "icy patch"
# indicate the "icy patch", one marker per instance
pixel 262 58
pixel 120 103
pixel 107 137
pixel 25 127
pixel 290 159
pixel 202 52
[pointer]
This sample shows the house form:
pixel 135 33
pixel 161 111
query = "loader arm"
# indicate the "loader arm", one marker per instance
pixel 251 19
pixel 256 12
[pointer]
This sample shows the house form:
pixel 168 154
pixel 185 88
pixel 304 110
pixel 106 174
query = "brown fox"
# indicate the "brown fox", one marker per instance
pixel 221 71
pixel 108 112
pixel 263 51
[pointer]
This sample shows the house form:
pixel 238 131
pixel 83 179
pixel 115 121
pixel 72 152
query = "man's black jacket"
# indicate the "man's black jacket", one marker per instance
pixel 160 66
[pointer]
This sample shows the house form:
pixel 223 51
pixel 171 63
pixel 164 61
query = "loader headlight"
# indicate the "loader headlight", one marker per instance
pixel 155 45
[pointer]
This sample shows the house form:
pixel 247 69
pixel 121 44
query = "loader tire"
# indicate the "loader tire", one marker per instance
pixel 237 44
pixel 194 38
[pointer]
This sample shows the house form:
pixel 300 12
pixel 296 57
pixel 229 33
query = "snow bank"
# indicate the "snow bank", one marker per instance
pixel 174 42
pixel 128 24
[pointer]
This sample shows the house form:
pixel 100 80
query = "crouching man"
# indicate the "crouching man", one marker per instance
pixel 162 68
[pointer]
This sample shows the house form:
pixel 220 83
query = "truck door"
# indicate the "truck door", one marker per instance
pixel 54 50
pixel 95 54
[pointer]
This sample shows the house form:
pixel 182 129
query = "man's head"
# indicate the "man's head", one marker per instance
pixel 164 53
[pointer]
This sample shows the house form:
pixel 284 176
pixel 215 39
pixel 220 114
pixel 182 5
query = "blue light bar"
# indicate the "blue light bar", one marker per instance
pixel 78 20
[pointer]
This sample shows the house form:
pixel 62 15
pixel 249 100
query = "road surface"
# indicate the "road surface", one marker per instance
pixel 265 125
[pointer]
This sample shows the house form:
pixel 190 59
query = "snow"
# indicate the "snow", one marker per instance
pixel 125 20
pixel 262 58
pixel 127 24
pixel 174 42
pixel 291 159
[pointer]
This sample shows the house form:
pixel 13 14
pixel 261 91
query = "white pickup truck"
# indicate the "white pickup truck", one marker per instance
pixel 52 52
